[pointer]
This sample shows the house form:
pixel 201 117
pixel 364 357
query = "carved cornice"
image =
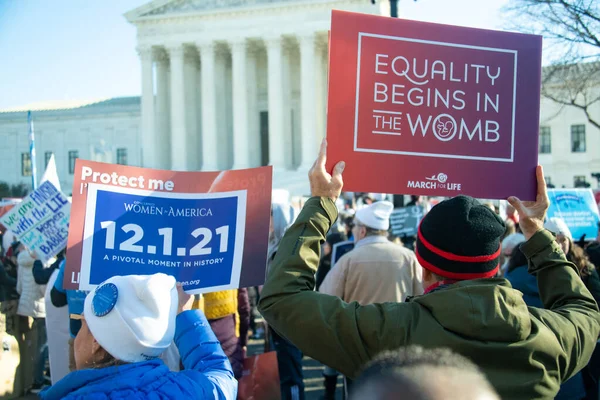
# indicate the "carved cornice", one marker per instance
pixel 250 11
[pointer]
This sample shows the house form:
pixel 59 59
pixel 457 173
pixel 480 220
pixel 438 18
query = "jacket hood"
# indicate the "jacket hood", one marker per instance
pixel 85 382
pixel 25 260
pixel 482 309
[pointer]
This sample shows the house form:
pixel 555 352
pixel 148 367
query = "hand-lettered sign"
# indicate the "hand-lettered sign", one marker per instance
pixel 41 221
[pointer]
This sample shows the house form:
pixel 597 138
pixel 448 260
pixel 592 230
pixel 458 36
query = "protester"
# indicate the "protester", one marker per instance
pixel 520 279
pixel 256 322
pixel 525 352
pixel 74 301
pixel 511 228
pixel 376 270
pixel 575 254
pixel 41 273
pixel 128 321
pixel 325 263
pixel 289 358
pixel 593 253
pixel 228 313
pixel 422 374
pixel 57 326
pixel 330 375
pixel 31 304
pixel 509 244
pixel 8 284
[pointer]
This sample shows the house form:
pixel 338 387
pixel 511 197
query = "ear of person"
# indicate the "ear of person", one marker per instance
pixel 322 183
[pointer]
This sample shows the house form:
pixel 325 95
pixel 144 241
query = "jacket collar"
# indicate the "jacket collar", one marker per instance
pixel 104 380
pixel 371 240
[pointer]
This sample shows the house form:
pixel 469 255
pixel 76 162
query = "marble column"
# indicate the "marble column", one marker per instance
pixel 308 97
pixel 276 102
pixel 190 67
pixel 162 125
pixel 178 122
pixel 209 106
pixel 321 83
pixel 149 141
pixel 241 130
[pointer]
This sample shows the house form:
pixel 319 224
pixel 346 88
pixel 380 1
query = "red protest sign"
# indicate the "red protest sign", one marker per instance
pixel 421 108
pixel 207 229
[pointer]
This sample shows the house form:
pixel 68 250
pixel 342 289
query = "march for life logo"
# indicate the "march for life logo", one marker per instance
pixel 206 229
pixel 412 100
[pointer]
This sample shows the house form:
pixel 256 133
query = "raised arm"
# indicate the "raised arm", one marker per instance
pixel 341 335
pixel 570 310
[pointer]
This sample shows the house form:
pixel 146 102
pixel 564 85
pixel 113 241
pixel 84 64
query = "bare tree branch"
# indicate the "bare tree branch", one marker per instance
pixel 571 29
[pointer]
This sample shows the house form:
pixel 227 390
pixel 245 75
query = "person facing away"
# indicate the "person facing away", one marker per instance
pixel 289 358
pixel 228 313
pixel 525 352
pixel 74 300
pixel 127 322
pixel 575 254
pixel 376 270
pixel 518 276
pixel 416 373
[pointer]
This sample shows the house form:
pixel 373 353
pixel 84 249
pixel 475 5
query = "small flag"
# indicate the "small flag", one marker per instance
pixel 32 151
pixel 51 175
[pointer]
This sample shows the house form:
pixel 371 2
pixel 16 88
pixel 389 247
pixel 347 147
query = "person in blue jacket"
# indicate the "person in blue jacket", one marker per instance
pixel 520 279
pixel 74 299
pixel 127 322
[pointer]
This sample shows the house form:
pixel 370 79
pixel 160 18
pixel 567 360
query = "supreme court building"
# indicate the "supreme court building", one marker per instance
pixel 230 84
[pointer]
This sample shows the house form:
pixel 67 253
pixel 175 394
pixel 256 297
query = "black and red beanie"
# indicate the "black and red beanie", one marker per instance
pixel 460 239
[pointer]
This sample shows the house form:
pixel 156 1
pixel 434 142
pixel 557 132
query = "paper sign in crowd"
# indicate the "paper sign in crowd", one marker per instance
pixel 445 110
pixel 578 208
pixel 404 221
pixel 207 229
pixel 41 221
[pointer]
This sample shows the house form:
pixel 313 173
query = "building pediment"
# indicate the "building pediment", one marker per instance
pixel 167 8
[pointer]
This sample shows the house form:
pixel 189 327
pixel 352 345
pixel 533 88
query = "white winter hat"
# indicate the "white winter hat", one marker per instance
pixel 558 226
pixel 376 215
pixel 133 317
pixel 511 241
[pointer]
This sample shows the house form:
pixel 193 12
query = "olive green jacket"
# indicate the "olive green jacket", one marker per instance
pixel 525 352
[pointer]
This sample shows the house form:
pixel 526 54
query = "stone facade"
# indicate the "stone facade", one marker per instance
pixel 99 131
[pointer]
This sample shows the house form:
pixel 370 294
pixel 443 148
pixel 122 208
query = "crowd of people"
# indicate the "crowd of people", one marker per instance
pixel 475 306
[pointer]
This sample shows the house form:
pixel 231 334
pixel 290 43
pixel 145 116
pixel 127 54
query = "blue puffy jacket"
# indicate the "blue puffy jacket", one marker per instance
pixel 207 373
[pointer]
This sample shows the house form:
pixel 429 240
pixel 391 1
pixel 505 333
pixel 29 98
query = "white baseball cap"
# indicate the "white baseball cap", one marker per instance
pixel 376 215
pixel 133 317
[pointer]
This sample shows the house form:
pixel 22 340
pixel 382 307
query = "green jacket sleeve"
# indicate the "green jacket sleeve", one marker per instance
pixel 570 310
pixel 341 335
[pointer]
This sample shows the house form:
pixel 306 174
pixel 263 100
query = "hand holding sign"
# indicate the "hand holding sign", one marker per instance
pixel 533 213
pixel 322 184
pixel 185 300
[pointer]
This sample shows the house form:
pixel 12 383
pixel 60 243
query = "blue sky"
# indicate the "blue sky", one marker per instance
pixel 85 49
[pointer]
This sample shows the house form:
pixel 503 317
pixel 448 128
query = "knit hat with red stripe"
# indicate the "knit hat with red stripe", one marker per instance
pixel 460 239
